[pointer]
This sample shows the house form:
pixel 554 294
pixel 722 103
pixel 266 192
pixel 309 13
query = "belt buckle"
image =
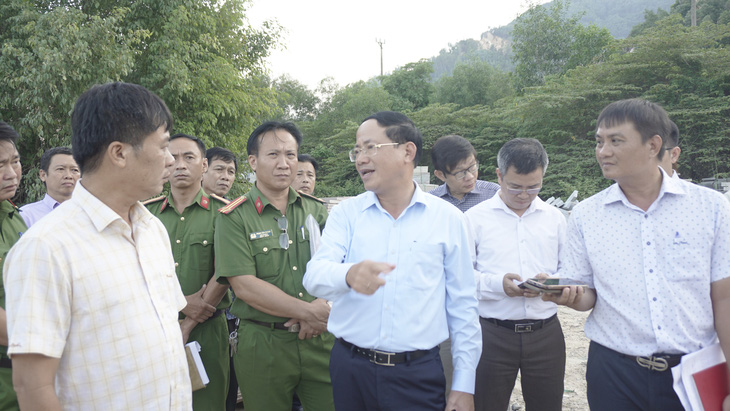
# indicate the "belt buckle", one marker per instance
pixel 375 358
pixel 653 363
pixel 524 328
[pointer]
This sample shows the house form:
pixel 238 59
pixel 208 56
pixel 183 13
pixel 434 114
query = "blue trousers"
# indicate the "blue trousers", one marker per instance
pixel 359 385
pixel 619 383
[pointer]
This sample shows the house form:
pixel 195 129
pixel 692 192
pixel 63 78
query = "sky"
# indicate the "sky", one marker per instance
pixel 337 38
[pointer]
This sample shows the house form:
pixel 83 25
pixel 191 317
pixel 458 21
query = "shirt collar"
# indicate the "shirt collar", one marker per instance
pixel 496 202
pixel 201 199
pixel 102 215
pixel 669 186
pixel 50 202
pixel 255 195
pixel 418 197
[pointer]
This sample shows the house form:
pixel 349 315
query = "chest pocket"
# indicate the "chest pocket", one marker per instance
pixel 269 256
pixel 201 245
pixel 427 261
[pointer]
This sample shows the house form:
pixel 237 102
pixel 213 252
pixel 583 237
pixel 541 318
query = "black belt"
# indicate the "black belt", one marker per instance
pixel 387 358
pixel 215 314
pixel 5 362
pixel 521 326
pixel 656 362
pixel 277 326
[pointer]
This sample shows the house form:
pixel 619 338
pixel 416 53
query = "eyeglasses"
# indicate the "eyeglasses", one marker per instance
pixel 284 237
pixel 371 150
pixel 460 175
pixel 530 191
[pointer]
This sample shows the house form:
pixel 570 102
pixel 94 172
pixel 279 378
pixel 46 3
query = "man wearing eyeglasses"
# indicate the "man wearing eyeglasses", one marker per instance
pixel 261 248
pixel 516 236
pixel 395 262
pixel 455 163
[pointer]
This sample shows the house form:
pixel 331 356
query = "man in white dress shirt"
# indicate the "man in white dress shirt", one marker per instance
pixel 655 252
pixel 517 236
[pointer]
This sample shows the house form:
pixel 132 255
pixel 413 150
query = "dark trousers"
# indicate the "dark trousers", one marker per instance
pixel 539 356
pixel 232 395
pixel 616 382
pixel 359 385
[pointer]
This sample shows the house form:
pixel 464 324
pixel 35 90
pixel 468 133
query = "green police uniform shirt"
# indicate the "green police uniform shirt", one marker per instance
pixel 247 243
pixel 12 227
pixel 191 238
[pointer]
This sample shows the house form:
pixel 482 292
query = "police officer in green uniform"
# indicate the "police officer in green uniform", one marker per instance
pixel 12 227
pixel 262 249
pixel 189 215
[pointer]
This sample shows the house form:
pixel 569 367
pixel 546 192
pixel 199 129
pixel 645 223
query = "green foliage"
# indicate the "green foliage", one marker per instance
pixel 466 51
pixel 548 42
pixel 196 55
pixel 473 83
pixel 410 85
pixel 296 99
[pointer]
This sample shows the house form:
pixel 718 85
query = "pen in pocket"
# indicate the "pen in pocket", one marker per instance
pixel 301 227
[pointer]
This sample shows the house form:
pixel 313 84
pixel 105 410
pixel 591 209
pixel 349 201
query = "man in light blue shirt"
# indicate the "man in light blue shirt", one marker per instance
pixel 59 173
pixel 395 263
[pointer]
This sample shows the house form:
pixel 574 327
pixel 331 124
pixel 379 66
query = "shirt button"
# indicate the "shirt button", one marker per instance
pixel 177 241
pixel 205 242
pixel 646 215
pixel 290 241
pixel 266 249
pixel 301 295
pixel 176 264
pixel 182 218
pixel 294 268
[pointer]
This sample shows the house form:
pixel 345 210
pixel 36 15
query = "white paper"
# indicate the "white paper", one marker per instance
pixel 314 233
pixel 692 363
pixel 195 350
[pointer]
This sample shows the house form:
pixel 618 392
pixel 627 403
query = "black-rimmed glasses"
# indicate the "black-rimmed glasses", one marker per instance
pixel 284 236
pixel 460 175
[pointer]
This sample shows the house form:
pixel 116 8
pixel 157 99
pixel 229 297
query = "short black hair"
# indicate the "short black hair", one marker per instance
pixel 648 118
pixel 449 151
pixel 48 156
pixel 8 133
pixel 399 129
pixel 111 112
pixel 524 154
pixel 223 154
pixel 306 158
pixel 252 146
pixel 199 142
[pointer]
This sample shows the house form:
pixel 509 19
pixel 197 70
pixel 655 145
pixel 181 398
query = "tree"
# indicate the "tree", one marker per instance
pixel 410 85
pixel 196 55
pixel 473 83
pixel 548 42
pixel 297 101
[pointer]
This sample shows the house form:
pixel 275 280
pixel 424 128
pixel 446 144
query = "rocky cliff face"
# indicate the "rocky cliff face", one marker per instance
pixel 489 40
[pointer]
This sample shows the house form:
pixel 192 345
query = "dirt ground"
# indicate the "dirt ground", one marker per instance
pixel 576 347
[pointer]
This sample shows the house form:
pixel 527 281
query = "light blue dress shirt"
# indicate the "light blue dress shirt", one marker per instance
pixel 429 296
pixel 33 212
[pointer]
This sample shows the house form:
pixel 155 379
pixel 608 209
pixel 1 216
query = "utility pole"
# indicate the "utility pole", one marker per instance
pixel 380 43
pixel 693 12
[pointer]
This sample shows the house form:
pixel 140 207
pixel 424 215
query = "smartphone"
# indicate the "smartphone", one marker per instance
pixel 554 285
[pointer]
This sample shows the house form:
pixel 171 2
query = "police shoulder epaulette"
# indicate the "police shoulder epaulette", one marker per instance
pixel 154 200
pixel 232 205
pixel 310 196
pixel 221 199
